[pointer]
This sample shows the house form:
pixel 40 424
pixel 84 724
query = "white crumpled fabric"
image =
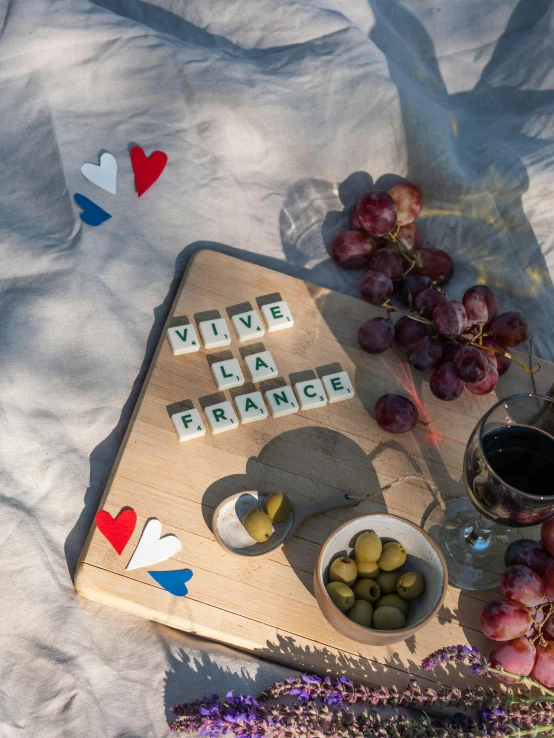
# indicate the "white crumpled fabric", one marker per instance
pixel 275 115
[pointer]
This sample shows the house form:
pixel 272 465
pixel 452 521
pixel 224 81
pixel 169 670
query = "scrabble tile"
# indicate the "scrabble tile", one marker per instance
pixel 183 339
pixel 251 407
pixel 215 333
pixel 227 374
pixel 277 316
pixel 221 417
pixel 281 401
pixel 188 425
pixel 338 387
pixel 310 394
pixel 248 325
pixel 261 366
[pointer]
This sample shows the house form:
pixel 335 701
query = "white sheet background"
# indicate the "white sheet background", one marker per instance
pixel 274 114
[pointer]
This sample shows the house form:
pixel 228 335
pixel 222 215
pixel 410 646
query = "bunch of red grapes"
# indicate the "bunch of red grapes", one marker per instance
pixel 523 625
pixel 465 344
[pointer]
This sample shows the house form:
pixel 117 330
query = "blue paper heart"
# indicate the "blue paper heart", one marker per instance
pixel 92 214
pixel 173 581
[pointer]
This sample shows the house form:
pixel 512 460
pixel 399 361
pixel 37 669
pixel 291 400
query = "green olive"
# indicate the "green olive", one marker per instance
pixel 387 581
pixel 277 507
pixel 367 569
pixel 388 618
pixel 393 556
pixel 368 546
pixel 257 525
pixel 410 585
pixel 361 613
pixel 341 595
pixel 367 589
pixel 393 600
pixel 344 570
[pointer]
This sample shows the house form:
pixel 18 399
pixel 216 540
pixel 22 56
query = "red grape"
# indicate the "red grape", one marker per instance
pixel 395 414
pixel 549 583
pixel 434 263
pixel 388 262
pixel 450 318
pixel 502 620
pixel 543 671
pixel 411 286
pixel 529 553
pixel 480 303
pixel 376 335
pixel 502 362
pixel 425 354
pixel 471 364
pixel 449 350
pixel 408 202
pixel 487 384
pixel 376 287
pixel 355 223
pixel 520 584
pixel 510 329
pixel 376 213
pixel 427 301
pixel 516 656
pixel 445 383
pixel 407 332
pixel 547 535
pixel 353 249
pixel 410 236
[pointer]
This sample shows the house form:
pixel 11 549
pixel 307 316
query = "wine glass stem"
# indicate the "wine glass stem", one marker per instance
pixel 479 535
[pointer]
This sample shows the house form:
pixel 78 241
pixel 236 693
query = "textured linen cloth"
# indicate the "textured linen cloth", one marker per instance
pixel 275 115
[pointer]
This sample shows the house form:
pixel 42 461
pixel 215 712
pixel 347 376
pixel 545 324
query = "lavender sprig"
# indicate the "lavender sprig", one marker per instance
pixel 325 708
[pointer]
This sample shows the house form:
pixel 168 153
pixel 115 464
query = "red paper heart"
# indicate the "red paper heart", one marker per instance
pixel 146 169
pixel 117 530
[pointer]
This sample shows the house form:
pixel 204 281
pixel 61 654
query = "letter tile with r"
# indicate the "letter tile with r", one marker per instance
pixel 310 394
pixel 227 374
pixel 188 425
pixel 221 417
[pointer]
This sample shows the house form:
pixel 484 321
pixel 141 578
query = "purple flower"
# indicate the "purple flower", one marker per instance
pixel 311 678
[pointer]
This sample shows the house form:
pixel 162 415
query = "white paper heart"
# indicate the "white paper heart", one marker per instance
pixel 151 549
pixel 103 175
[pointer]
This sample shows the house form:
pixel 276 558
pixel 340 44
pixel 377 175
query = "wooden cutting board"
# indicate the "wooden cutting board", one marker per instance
pixel 266 606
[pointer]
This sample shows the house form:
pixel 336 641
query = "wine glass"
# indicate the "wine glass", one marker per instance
pixel 509 478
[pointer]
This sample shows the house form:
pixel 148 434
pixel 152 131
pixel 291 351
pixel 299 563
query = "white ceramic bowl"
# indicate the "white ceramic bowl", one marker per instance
pixel 424 556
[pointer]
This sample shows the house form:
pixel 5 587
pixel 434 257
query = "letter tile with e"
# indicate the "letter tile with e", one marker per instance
pixel 183 339
pixel 250 407
pixel 281 401
pixel 261 366
pixel 277 315
pixel 227 374
pixel 188 425
pixel 338 387
pixel 215 333
pixel 248 325
pixel 221 417
pixel 310 394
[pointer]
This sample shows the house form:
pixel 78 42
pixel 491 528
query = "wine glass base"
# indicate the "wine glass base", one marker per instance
pixel 473 564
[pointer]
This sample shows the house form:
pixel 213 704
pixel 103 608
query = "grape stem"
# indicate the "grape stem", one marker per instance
pixel 539 636
pixel 476 340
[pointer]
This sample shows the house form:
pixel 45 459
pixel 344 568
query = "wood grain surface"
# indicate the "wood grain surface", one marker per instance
pixel 266 606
